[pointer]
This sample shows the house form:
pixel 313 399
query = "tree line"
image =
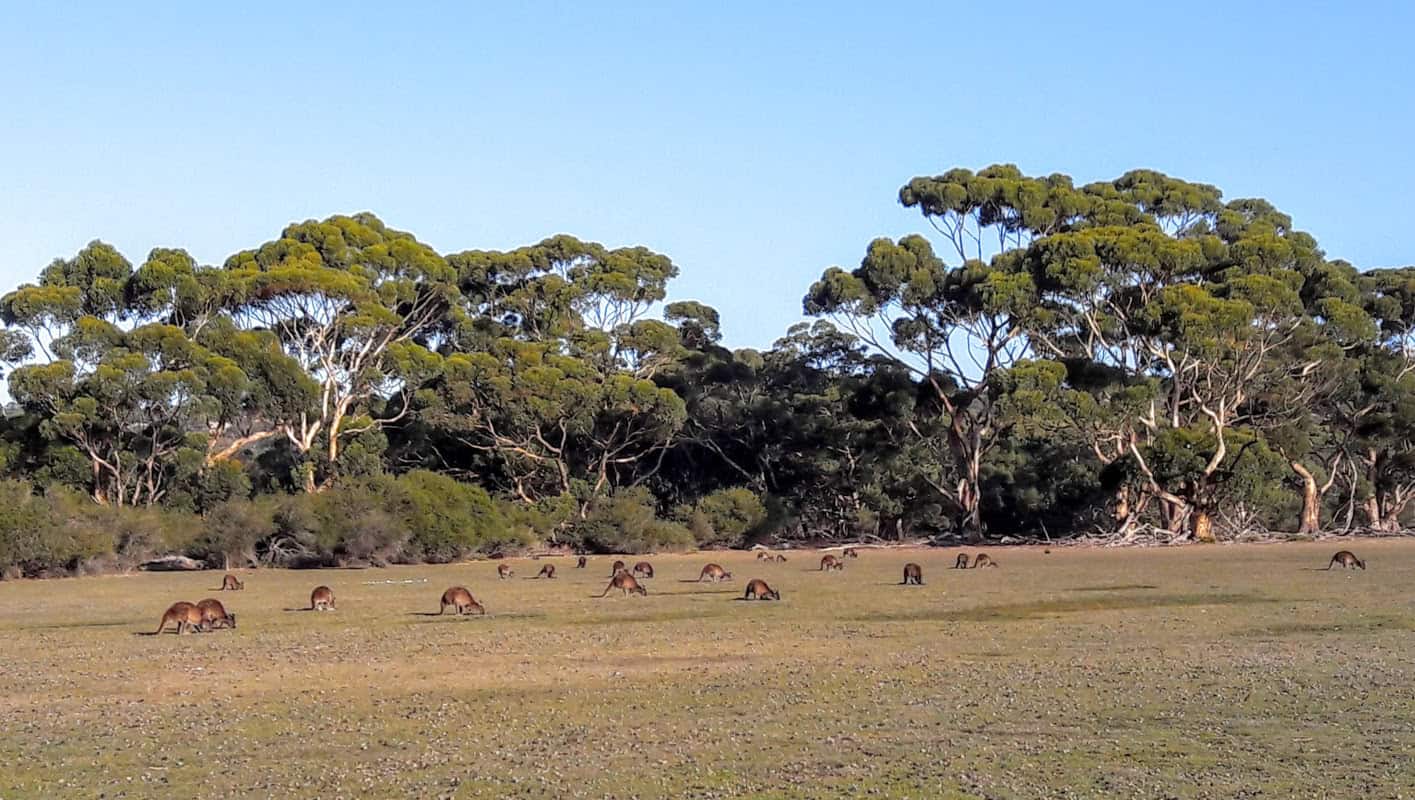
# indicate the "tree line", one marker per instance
pixel 1134 357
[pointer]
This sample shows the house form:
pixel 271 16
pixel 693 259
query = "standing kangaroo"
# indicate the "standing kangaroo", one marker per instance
pixel 1346 559
pixel 913 573
pixel 831 562
pixel 626 582
pixel 322 599
pixel 461 600
pixel 643 569
pixel 581 562
pixel 503 571
pixel 230 584
pixel 547 571
pixel 851 552
pixel 184 615
pixel 758 590
pixel 715 572
pixel 962 562
pixel 983 560
pixel 616 568
pixel 213 615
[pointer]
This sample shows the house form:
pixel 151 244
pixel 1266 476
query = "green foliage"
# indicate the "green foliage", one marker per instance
pixel 449 520
pixel 726 518
pixel 626 522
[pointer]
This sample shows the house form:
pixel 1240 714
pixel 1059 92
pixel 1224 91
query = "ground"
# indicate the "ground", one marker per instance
pixel 1219 671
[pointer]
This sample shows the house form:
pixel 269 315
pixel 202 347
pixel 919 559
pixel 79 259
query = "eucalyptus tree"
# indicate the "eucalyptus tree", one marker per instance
pixel 357 306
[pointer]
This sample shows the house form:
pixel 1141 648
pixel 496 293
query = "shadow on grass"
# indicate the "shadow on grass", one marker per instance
pixel 58 626
pixel 1015 612
pixel 1120 587
pixel 1362 626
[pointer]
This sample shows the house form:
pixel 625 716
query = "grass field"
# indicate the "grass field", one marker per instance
pixel 1197 672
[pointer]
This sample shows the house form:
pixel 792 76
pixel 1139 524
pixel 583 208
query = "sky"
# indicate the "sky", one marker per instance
pixel 756 144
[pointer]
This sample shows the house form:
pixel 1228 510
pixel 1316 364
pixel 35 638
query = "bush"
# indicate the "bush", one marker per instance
pixel 726 518
pixel 626 523
pixel 448 519
pixel 233 530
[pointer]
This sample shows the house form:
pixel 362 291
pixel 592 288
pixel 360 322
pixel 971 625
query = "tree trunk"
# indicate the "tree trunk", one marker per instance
pixel 1201 526
pixel 1121 509
pixel 1310 521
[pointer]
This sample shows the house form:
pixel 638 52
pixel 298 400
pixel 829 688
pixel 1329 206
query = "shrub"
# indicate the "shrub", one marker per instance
pixel 233 530
pixel 626 523
pixel 726 518
pixel 448 519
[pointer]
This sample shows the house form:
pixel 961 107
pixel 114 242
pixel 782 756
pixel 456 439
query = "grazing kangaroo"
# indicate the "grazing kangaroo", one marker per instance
pixel 758 590
pixel 983 560
pixel 913 573
pixel 322 599
pixel 580 562
pixel 831 562
pixel 547 571
pixel 851 552
pixel 503 571
pixel 643 569
pixel 626 582
pixel 715 572
pixel 184 615
pixel 616 568
pixel 213 615
pixel 762 554
pixel 461 600
pixel 962 562
pixel 1346 559
pixel 230 584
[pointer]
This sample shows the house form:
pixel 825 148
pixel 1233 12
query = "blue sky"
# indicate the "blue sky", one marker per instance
pixel 754 143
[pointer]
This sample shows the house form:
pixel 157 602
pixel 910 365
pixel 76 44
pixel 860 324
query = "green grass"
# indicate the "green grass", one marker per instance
pixel 1195 672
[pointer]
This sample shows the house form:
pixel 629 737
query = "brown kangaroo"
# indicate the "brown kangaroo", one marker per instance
pixel 461 600
pixel 983 560
pixel 230 584
pixel 913 573
pixel 758 590
pixel 580 562
pixel 322 599
pixel 851 552
pixel 1346 559
pixel 762 554
pixel 213 615
pixel 184 615
pixel 643 569
pixel 547 571
pixel 831 562
pixel 616 568
pixel 626 582
pixel 962 562
pixel 503 571
pixel 715 572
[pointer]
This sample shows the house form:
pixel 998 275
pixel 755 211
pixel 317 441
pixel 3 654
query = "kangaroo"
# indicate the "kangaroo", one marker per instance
pixel 715 572
pixel 962 562
pixel 617 568
pixel 762 554
pixel 1346 559
pixel 322 599
pixel 851 552
pixel 643 569
pixel 213 615
pixel 503 571
pixel 547 571
pixel 230 584
pixel 461 600
pixel 831 562
pixel 758 590
pixel 983 560
pixel 913 573
pixel 626 582
pixel 581 562
pixel 184 615
pixel 779 557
